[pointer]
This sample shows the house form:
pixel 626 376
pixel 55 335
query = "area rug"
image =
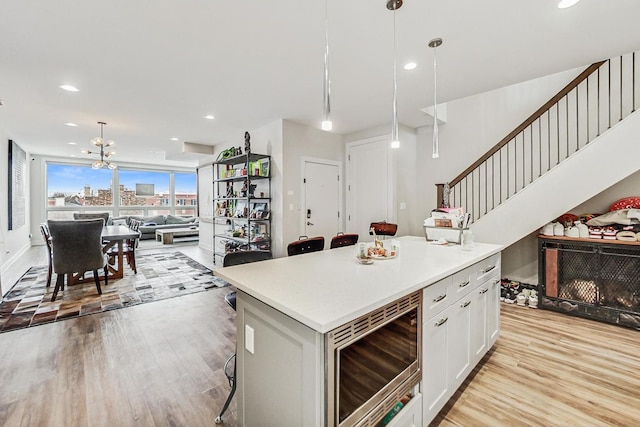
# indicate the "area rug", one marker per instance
pixel 160 276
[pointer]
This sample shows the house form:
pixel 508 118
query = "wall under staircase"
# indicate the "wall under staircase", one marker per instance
pixel 605 161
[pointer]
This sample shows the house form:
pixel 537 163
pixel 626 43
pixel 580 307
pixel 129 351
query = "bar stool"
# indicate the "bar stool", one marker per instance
pixel 305 244
pixel 342 239
pixel 383 228
pixel 236 258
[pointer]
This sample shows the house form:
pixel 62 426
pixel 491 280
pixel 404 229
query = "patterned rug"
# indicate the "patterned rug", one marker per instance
pixel 160 276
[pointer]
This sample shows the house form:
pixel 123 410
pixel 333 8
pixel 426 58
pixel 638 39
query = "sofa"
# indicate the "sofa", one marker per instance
pixel 152 223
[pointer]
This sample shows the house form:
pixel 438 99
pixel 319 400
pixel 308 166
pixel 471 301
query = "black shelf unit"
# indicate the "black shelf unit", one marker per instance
pixel 593 278
pixel 242 204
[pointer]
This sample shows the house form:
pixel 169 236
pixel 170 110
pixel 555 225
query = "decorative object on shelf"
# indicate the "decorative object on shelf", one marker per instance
pixel 247 142
pixel 395 140
pixel 436 148
pixel 99 142
pixel 226 154
pixel 326 102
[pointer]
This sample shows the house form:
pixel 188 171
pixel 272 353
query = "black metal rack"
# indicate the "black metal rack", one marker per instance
pixel 593 278
pixel 242 204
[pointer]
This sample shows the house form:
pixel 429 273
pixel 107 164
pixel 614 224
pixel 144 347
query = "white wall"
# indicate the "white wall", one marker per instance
pixel 408 189
pixel 13 243
pixel 303 141
pixel 474 125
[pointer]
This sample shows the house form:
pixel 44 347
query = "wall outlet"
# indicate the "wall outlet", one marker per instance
pixel 403 206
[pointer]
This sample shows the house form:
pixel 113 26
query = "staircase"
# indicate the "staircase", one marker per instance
pixel 581 142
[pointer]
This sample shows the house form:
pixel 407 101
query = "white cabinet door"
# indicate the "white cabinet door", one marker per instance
pixel 493 311
pixel 436 334
pixel 458 348
pixel 478 337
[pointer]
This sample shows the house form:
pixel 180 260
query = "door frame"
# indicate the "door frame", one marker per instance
pixel 303 194
pixel 392 214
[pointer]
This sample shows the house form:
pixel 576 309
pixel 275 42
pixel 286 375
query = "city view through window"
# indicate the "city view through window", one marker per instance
pixel 73 188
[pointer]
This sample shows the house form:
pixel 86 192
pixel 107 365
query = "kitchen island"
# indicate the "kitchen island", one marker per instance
pixel 287 307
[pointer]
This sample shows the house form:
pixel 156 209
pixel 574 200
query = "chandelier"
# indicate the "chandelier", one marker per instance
pixel 100 142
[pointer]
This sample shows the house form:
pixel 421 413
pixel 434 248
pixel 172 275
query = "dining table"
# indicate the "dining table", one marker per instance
pixel 115 235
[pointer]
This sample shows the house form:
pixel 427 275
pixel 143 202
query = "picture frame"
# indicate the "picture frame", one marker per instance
pixel 240 209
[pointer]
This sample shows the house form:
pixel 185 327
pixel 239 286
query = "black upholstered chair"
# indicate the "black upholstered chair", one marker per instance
pixel 236 258
pixel 44 229
pixel 342 239
pixel 92 215
pixel 305 245
pixel 77 247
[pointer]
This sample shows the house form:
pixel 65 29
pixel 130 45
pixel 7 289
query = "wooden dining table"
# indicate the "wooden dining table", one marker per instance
pixel 115 235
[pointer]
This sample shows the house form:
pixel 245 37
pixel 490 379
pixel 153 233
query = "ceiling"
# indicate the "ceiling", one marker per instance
pixel 152 69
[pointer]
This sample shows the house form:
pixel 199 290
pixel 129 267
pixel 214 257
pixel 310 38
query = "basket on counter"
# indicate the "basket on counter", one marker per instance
pixel 450 234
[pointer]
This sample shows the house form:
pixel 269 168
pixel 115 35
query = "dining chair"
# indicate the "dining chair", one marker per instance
pixel 47 241
pixel 128 246
pixel 77 247
pixel 383 228
pixel 236 258
pixel 92 215
pixel 305 245
pixel 342 239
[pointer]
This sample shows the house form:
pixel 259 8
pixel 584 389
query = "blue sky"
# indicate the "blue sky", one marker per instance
pixel 72 179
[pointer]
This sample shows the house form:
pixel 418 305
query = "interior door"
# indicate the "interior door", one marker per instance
pixel 321 210
pixel 369 183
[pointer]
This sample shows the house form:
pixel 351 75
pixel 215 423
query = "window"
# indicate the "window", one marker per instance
pixel 75 186
pixel 143 188
pixel 79 188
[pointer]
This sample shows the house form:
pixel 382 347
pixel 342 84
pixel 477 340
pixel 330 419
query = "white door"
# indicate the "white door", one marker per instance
pixel 369 185
pixel 321 208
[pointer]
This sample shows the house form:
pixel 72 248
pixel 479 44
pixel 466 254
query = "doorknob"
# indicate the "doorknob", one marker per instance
pixel 310 223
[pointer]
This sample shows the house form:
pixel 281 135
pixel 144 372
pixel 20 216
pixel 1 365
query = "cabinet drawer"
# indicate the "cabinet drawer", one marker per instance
pixel 436 298
pixel 410 415
pixel 487 268
pixel 463 282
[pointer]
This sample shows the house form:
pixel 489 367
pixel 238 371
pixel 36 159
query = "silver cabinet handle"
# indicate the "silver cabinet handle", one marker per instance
pixel 465 304
pixel 484 291
pixel 463 284
pixel 442 321
pixel 440 298
pixel 485 271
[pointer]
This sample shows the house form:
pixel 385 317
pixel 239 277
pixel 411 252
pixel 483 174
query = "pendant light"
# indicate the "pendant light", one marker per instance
pixel 326 105
pixel 434 44
pixel 395 140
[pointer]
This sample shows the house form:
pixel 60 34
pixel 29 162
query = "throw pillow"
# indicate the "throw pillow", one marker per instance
pixel 626 203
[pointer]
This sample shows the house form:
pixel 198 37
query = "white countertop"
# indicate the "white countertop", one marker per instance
pixel 324 290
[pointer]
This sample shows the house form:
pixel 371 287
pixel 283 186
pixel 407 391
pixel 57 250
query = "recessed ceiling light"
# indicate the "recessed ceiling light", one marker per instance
pixel 71 124
pixel 209 117
pixel 69 88
pixel 410 65
pixel 174 139
pixel 72 143
pixel 563 4
pixel 72 155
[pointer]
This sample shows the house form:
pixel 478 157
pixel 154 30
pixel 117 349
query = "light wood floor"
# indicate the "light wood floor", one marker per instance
pixel 160 364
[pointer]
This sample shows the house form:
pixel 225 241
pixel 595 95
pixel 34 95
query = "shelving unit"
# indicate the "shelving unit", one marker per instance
pixel 242 204
pixel 594 278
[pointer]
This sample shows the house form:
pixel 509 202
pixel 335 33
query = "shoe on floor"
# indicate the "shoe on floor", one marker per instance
pixel 521 299
pixel 533 299
pixel 510 298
